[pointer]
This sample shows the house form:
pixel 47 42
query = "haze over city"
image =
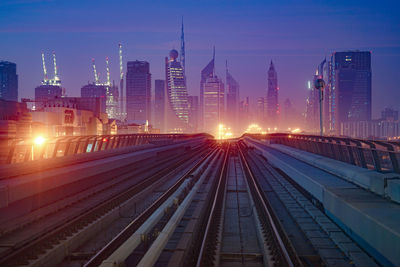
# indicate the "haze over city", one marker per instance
pixel 199 133
pixel 296 36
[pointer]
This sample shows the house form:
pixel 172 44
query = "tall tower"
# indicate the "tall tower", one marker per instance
pixel 138 91
pixel 176 92
pixel 182 55
pixel 213 104
pixel 207 72
pixel 272 96
pixel 351 87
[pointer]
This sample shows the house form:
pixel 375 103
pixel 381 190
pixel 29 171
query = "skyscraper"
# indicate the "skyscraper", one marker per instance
pixel 177 97
pixel 159 104
pixel 232 100
pixel 8 81
pixel 213 104
pixel 207 72
pixel 272 96
pixel 138 91
pixel 351 86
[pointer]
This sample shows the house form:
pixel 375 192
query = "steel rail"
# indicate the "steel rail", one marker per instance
pixel 117 241
pixel 258 196
pixel 217 196
pixel 59 232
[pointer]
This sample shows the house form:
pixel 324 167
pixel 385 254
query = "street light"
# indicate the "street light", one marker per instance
pixel 319 85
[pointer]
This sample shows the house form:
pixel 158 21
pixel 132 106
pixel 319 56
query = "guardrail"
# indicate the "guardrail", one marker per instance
pixel 28 149
pixel 381 156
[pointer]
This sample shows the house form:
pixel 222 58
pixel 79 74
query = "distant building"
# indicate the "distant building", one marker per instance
pixel 95 91
pixel 15 119
pixel 389 114
pixel 244 113
pixel 214 107
pixel 159 105
pixel 261 111
pixel 138 91
pixel 193 102
pixel 207 72
pixel 177 110
pixel 93 104
pixel 232 101
pixel 351 87
pixel 46 92
pixel 112 101
pixel 8 81
pixel 386 128
pixel 272 96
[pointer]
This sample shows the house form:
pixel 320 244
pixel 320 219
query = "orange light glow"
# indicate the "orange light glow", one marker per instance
pixel 39 140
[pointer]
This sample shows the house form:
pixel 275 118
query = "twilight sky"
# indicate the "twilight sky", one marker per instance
pixel 296 36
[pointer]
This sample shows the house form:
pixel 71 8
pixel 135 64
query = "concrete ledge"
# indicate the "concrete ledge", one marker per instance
pixel 393 190
pixel 369 220
pixel 368 179
pixel 372 221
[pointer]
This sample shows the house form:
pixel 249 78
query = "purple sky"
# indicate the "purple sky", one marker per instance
pixel 246 33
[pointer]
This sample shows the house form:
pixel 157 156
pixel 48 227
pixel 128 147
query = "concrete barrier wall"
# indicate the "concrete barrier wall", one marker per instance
pixel 369 218
pixel 23 194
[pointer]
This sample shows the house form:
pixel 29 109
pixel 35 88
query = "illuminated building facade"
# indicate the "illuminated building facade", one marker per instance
pixel 272 96
pixel 138 91
pixel 214 99
pixel 177 119
pixel 207 72
pixel 8 81
pixel 351 87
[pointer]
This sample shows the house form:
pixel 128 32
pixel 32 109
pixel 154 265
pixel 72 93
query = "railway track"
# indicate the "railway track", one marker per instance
pixel 226 207
pixel 221 219
pixel 51 247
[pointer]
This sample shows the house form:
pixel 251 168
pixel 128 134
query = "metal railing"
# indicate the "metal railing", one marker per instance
pixel 381 156
pixel 28 149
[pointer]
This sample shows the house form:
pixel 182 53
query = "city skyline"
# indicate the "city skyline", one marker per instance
pixel 248 48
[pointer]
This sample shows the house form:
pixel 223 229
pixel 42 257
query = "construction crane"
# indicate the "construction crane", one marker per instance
pixel 121 82
pixel 45 79
pixel 108 72
pixel 56 79
pixel 96 76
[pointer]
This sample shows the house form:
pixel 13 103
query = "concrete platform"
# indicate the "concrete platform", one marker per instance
pixel 367 217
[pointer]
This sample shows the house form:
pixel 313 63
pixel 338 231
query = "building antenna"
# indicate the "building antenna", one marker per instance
pixel 108 72
pixel 96 76
pixel 45 79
